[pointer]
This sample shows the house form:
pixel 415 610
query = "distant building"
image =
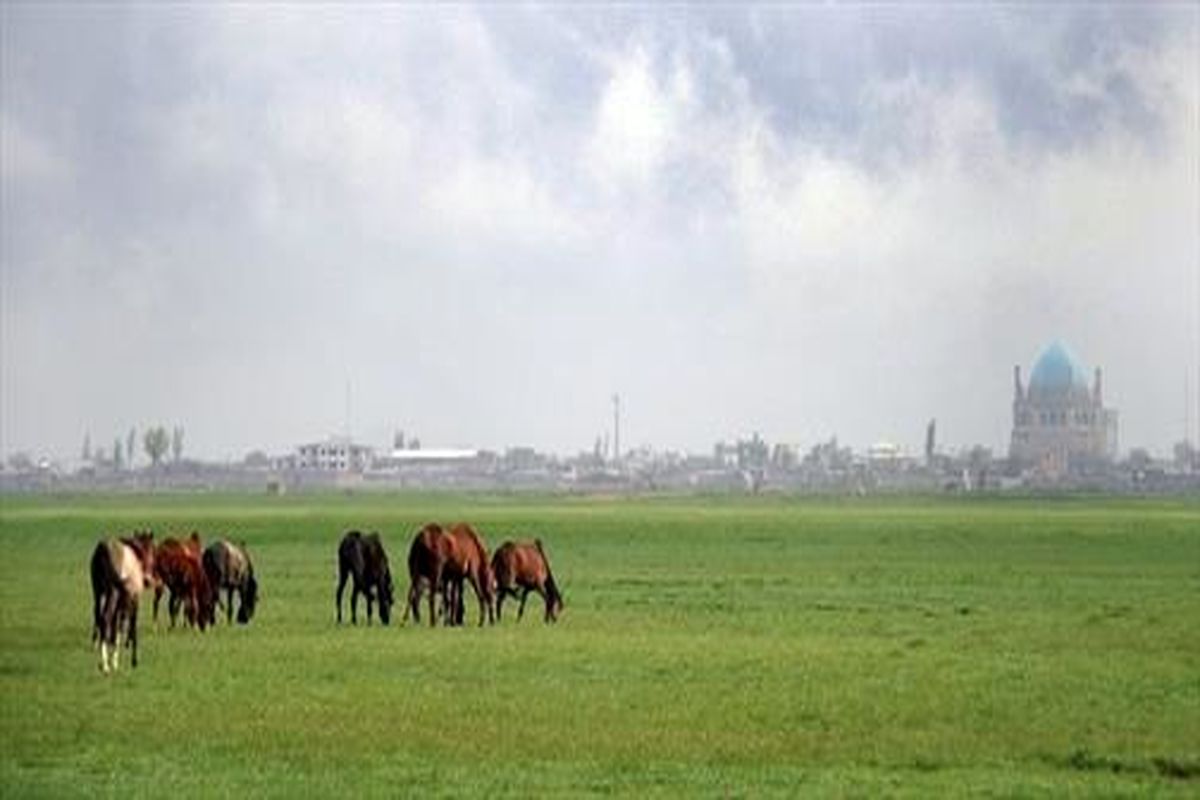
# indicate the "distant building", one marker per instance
pixel 1060 424
pixel 333 455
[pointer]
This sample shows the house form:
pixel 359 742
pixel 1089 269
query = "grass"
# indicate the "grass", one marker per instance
pixel 710 647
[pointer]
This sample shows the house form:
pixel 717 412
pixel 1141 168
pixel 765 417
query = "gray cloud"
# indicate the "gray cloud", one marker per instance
pixel 804 221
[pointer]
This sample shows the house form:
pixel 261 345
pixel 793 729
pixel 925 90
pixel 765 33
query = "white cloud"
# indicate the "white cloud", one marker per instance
pixel 486 244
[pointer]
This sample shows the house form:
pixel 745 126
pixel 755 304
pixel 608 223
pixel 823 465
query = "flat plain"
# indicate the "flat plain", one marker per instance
pixel 711 646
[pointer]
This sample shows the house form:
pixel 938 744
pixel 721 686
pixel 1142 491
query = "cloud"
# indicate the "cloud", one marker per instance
pixel 804 221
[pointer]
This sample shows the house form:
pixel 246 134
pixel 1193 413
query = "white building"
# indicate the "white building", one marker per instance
pixel 337 454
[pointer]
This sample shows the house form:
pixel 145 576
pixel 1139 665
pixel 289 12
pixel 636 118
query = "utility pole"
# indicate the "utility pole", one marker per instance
pixel 616 401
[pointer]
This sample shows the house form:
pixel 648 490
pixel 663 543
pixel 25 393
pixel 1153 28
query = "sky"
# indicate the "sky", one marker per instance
pixel 272 223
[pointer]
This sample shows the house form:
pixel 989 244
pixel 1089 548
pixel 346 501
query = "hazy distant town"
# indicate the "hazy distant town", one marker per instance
pixel 1063 438
pixel 748 465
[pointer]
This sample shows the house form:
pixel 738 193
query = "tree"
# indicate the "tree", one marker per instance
pixel 130 443
pixel 257 459
pixel 155 442
pixel 117 454
pixel 176 443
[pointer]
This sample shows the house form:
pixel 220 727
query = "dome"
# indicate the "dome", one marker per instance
pixel 1057 370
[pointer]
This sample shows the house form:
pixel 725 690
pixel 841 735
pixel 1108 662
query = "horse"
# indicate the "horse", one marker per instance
pixel 469 562
pixel 178 567
pixel 121 570
pixel 228 567
pixel 364 559
pixel 441 560
pixel 524 566
pixel 428 556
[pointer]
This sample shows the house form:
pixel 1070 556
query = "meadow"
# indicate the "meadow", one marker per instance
pixel 711 646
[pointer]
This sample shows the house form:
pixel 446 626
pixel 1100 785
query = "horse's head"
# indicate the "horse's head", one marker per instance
pixel 554 601
pixel 249 600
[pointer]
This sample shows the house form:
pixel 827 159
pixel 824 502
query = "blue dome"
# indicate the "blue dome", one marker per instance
pixel 1057 369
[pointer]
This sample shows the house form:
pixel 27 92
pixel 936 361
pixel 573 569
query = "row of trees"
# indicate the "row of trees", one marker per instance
pixel 156 441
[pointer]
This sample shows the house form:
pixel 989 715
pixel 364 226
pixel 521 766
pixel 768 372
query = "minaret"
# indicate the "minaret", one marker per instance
pixel 1097 387
pixel 1018 391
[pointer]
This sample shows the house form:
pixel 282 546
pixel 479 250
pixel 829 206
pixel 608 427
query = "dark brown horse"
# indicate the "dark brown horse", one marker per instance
pixel 121 570
pixel 179 569
pixel 523 567
pixel 228 567
pixel 364 559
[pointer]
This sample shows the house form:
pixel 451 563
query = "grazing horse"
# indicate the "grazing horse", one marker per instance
pixel 364 559
pixel 441 560
pixel 179 568
pixel 428 556
pixel 228 567
pixel 121 569
pixel 523 566
pixel 469 561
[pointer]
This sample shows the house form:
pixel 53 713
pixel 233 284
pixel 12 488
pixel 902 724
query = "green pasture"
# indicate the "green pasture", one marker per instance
pixel 739 647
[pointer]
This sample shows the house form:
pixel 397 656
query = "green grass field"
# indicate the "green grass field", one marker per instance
pixel 710 647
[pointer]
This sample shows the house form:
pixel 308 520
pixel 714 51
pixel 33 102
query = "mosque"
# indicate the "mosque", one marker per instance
pixel 1060 424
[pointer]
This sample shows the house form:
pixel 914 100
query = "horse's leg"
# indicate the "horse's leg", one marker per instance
pixel 103 612
pixel 229 605
pixel 499 603
pixel 118 618
pixel 414 597
pixel 524 597
pixel 370 600
pixel 435 583
pixel 450 601
pixel 342 575
pixel 477 587
pixel 133 611
pixel 190 605
pixel 173 608
pixel 460 602
pixel 158 592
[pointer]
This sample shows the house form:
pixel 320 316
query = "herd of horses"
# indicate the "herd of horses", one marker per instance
pixel 123 568
pixel 442 561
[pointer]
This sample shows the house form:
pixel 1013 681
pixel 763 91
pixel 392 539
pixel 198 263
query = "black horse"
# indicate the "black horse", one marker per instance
pixel 364 559
pixel 227 566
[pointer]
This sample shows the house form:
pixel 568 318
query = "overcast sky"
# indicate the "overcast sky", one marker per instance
pixel 485 221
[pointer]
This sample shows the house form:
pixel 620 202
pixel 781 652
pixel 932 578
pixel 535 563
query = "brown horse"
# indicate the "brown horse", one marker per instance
pixel 524 567
pixel 428 556
pixel 178 567
pixel 470 563
pixel 227 566
pixel 439 560
pixel 121 570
